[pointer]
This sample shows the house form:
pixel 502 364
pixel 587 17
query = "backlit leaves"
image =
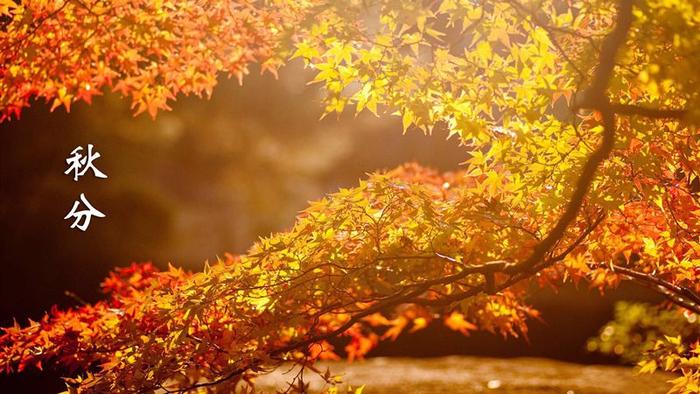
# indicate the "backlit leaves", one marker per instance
pixel 510 80
pixel 150 51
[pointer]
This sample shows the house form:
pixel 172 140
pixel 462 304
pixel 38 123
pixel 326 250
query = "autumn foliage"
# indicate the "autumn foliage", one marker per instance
pixel 150 51
pixel 580 124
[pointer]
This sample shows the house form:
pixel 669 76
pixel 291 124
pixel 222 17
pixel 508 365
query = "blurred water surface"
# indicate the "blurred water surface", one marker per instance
pixel 477 375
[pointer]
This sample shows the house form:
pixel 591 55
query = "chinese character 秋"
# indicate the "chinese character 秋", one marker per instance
pixel 85 215
pixel 80 164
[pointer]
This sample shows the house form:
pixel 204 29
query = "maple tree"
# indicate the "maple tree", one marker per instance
pixel 580 120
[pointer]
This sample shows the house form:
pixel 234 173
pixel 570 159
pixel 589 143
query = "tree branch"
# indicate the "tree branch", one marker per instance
pixel 679 295
pixel 655 113
pixel 595 98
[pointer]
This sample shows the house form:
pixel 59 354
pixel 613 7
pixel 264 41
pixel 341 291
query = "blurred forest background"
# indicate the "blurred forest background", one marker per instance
pixel 208 178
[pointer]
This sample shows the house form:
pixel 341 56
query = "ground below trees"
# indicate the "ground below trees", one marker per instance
pixel 460 374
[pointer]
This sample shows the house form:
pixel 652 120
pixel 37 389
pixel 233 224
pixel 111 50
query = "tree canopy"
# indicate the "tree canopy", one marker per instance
pixel 579 119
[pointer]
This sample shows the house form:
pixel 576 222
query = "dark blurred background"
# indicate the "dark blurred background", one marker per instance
pixel 208 178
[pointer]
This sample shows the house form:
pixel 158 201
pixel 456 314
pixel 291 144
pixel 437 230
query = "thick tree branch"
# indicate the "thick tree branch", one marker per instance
pixel 655 113
pixel 679 295
pixel 582 185
pixel 594 98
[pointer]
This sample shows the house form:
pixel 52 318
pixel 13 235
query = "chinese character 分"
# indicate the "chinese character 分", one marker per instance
pixel 85 215
pixel 79 164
